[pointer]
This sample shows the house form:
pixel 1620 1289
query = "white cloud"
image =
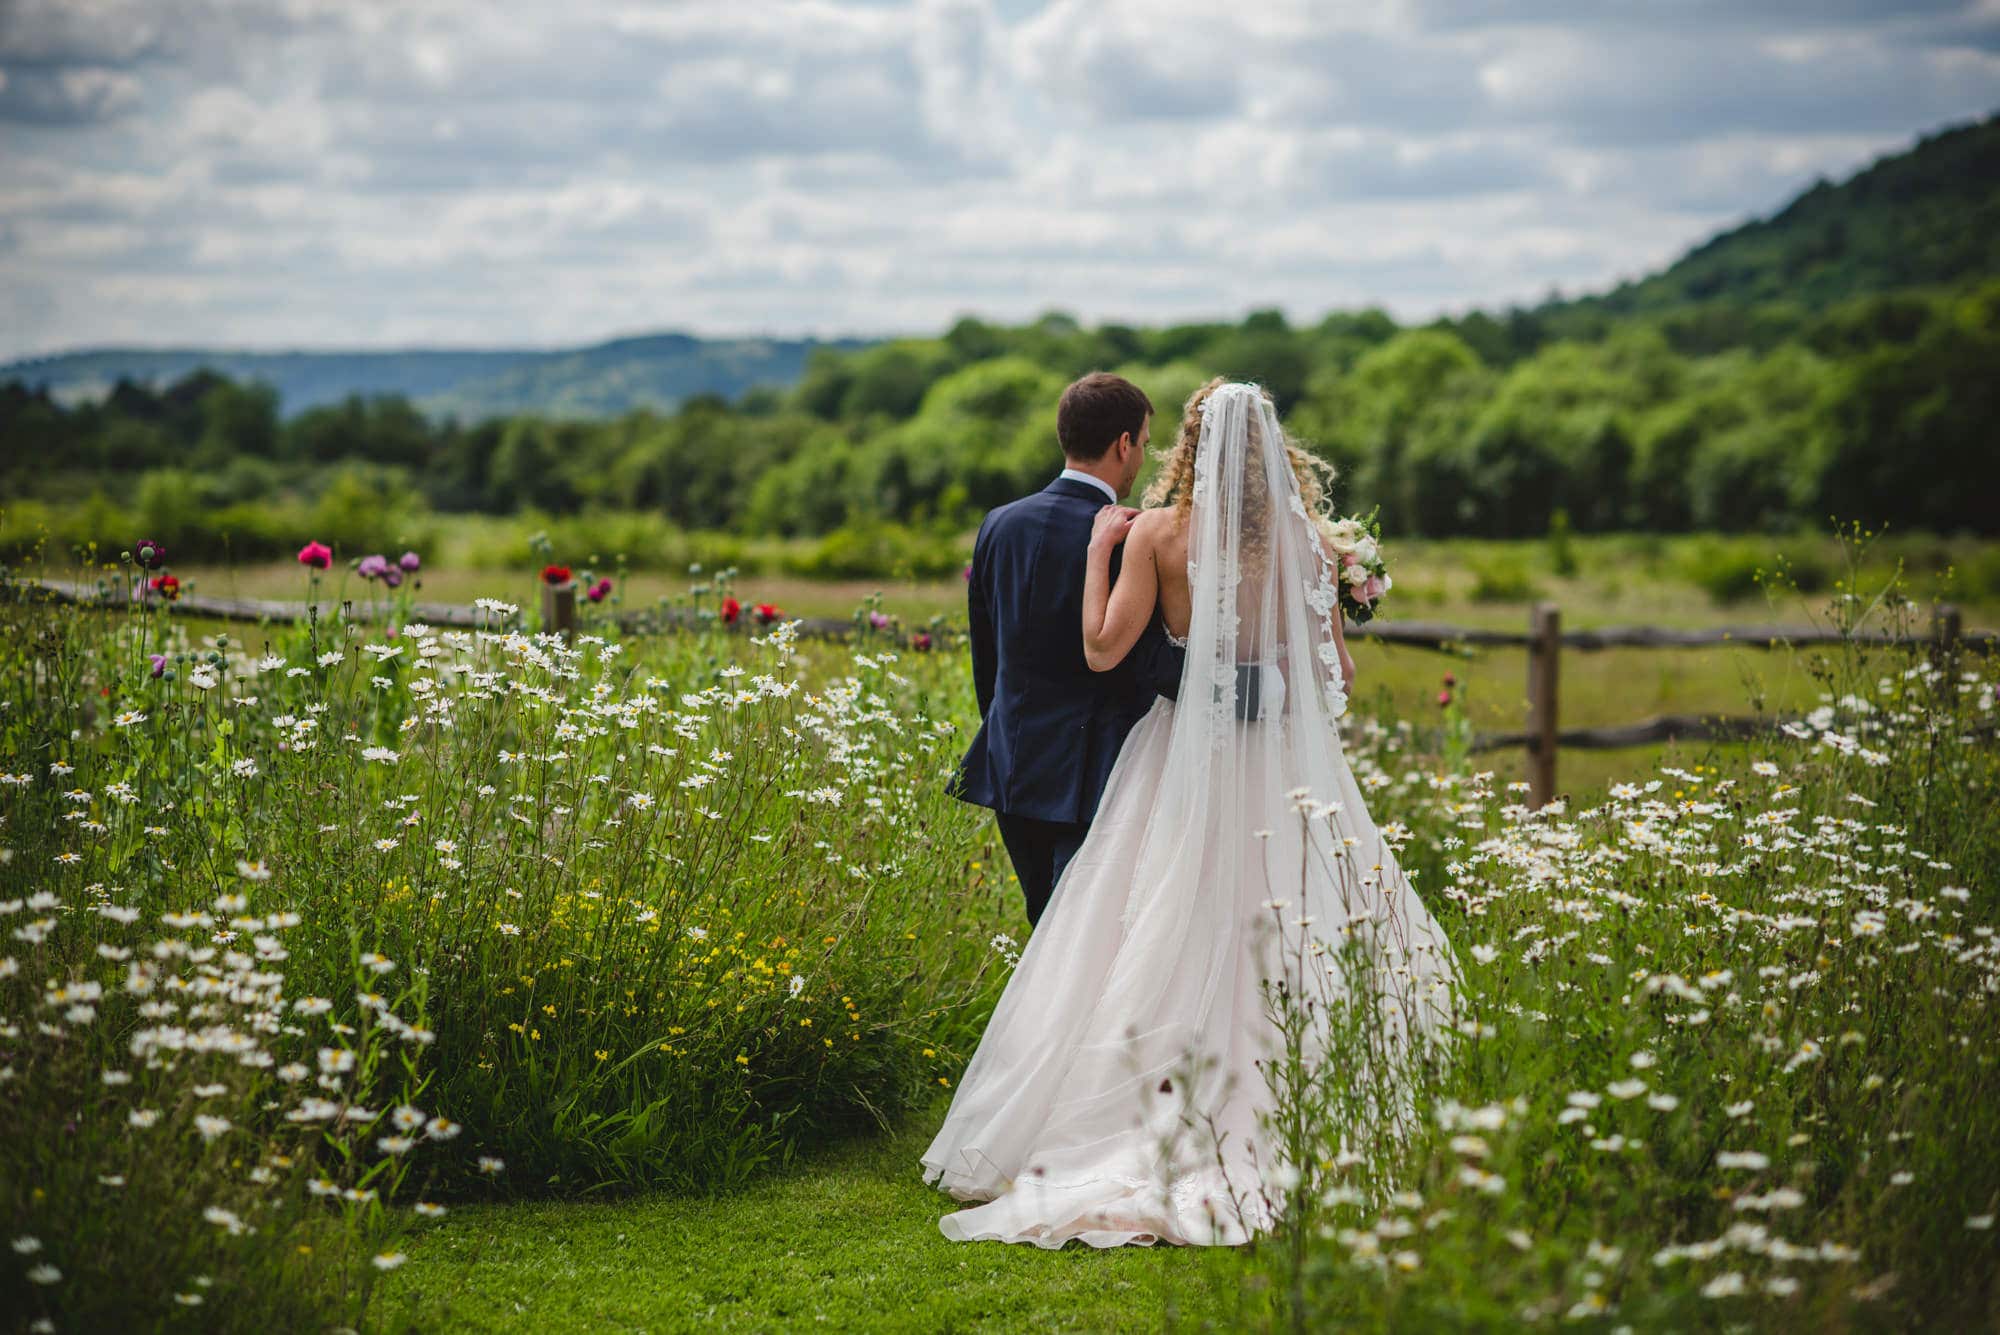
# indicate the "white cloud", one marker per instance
pixel 367 172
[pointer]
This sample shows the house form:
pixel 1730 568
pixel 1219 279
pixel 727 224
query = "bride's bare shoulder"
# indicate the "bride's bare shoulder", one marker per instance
pixel 1162 533
pixel 1167 525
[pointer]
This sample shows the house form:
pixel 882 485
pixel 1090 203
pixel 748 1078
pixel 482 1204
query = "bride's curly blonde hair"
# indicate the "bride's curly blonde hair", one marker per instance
pixel 1175 483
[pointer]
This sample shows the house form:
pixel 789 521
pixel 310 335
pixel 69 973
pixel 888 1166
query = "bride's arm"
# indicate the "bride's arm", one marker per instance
pixel 1347 668
pixel 1113 617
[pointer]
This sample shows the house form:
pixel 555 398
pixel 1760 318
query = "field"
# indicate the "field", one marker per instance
pixel 459 980
pixel 1681 582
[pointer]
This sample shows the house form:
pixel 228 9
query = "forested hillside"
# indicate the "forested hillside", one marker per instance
pixel 657 371
pixel 1927 217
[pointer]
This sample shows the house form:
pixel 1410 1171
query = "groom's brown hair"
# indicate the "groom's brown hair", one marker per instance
pixel 1096 411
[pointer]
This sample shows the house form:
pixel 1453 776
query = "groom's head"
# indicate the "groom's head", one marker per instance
pixel 1104 422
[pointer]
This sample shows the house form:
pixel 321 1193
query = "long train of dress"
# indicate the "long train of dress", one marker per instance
pixel 1072 1119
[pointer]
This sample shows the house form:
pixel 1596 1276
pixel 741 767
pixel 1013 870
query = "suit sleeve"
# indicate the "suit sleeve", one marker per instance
pixel 1159 660
pixel 979 620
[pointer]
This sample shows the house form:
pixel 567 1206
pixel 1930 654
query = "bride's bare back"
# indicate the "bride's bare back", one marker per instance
pixel 1168 542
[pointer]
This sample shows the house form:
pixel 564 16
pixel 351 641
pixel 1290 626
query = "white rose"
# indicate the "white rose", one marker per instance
pixel 1366 550
pixel 1340 536
pixel 1356 574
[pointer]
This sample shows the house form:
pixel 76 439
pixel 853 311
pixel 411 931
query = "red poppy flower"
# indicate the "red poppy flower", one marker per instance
pixel 731 609
pixel 555 575
pixel 767 613
pixel 166 586
pixel 921 641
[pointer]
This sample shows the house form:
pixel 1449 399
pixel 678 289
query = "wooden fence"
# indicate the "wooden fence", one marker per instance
pixel 1544 640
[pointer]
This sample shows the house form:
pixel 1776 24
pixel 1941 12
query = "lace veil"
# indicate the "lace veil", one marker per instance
pixel 1255 749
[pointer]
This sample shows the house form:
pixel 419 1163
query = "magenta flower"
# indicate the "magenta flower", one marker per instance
pixel 879 620
pixel 410 562
pixel 372 567
pixel 317 555
pixel 391 576
pixel 149 554
pixel 159 664
pixel 598 591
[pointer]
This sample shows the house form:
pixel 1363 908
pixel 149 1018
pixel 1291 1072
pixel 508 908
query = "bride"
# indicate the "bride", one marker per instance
pixel 1231 830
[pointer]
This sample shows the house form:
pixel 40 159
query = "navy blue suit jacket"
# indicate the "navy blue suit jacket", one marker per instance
pixel 1051 727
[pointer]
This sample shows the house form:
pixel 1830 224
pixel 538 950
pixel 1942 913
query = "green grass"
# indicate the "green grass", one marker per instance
pixel 844 1241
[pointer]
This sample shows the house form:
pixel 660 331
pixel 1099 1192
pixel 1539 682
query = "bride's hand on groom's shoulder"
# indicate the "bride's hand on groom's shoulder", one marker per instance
pixel 1113 522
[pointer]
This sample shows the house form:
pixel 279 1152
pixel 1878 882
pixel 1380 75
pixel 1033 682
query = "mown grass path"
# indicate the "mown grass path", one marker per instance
pixel 846 1241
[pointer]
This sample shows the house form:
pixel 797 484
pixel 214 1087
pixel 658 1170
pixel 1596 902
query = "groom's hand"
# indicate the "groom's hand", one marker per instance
pixel 1113 522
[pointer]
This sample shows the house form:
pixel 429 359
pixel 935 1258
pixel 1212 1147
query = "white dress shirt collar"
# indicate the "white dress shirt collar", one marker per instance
pixel 1076 475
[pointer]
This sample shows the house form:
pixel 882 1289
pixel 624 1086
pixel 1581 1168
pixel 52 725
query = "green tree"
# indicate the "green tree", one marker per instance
pixel 1417 391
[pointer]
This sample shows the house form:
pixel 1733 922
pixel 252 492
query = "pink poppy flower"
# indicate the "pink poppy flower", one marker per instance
pixel 317 555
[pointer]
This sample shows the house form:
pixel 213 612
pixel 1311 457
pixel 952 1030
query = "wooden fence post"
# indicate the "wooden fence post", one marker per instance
pixel 559 608
pixel 1946 627
pixel 1544 646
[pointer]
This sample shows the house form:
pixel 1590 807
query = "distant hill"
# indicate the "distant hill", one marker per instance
pixel 656 371
pixel 1926 217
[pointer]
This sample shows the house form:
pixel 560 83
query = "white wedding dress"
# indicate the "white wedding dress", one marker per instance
pixel 1077 1117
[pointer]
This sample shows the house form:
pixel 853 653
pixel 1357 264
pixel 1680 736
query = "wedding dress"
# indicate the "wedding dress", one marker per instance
pixel 1078 1117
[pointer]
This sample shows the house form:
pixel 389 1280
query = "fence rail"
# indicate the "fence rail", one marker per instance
pixel 1665 728
pixel 558 610
pixel 1544 640
pixel 1436 635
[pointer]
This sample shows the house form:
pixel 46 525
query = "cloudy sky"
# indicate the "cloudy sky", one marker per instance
pixel 369 173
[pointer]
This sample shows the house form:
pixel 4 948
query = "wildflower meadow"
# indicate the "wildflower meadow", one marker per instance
pixel 320 939
pixel 312 931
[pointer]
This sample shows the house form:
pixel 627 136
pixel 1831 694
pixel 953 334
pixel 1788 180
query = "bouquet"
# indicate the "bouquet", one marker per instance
pixel 1355 543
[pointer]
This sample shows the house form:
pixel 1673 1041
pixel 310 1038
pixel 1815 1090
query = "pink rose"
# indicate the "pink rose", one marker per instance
pixel 1349 559
pixel 1372 590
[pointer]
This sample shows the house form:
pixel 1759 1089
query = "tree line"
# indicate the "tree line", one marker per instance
pixel 1710 417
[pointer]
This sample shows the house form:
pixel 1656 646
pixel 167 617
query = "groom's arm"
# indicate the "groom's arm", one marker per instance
pixel 979 626
pixel 1158 661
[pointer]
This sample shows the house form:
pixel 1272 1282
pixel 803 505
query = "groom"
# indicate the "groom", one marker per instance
pixel 1051 727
